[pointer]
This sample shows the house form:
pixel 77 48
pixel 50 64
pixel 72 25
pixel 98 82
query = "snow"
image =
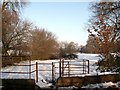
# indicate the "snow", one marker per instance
pixel 103 85
pixel 93 57
pixel 45 76
pixel 67 88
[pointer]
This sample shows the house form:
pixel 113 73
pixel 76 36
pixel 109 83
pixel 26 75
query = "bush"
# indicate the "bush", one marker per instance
pixel 109 63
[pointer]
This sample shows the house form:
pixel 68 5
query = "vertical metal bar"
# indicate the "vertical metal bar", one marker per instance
pixel 29 67
pixel 52 71
pixel 88 66
pixel 83 66
pixel 36 72
pixel 63 67
pixel 68 69
pixel 60 68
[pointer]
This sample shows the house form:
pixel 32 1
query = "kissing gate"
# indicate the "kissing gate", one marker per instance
pixel 60 68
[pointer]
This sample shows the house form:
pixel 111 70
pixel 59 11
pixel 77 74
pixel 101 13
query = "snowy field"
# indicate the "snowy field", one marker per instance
pixel 45 76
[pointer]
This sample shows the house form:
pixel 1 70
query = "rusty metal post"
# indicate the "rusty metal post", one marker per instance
pixel 68 69
pixel 53 71
pixel 63 67
pixel 83 66
pixel 60 68
pixel 88 66
pixel 36 71
pixel 29 67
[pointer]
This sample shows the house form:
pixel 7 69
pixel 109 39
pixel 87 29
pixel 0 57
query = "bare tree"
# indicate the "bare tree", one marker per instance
pixel 13 5
pixel 14 32
pixel 43 44
pixel 67 48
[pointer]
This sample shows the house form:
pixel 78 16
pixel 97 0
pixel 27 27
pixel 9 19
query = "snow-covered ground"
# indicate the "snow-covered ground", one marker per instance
pixel 45 76
pixel 103 85
pixel 100 86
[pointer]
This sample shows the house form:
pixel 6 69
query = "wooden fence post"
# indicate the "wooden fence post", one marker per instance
pixel 53 71
pixel 36 71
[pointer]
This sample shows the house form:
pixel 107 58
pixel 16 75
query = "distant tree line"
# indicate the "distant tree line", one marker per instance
pixel 66 48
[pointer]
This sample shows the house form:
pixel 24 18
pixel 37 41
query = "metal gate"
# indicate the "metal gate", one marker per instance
pixel 69 68
pixel 60 68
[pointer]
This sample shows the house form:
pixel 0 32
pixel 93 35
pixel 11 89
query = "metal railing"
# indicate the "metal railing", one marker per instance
pixel 73 67
pixel 60 68
pixel 29 65
pixel 21 58
pixel 44 70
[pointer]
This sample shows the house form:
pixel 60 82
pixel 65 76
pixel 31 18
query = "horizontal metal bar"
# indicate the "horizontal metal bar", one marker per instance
pixel 32 64
pixel 33 71
pixel 17 72
pixel 83 60
pixel 44 70
pixel 75 74
pixel 76 67
pixel 74 70
pixel 46 63
pixel 23 65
